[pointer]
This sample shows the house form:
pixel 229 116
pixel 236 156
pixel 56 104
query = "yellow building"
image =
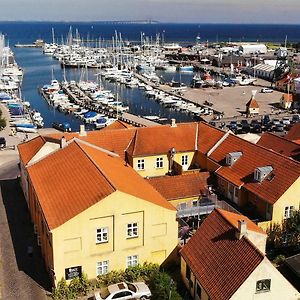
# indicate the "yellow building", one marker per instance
pixel 225 260
pixel 256 179
pixel 92 212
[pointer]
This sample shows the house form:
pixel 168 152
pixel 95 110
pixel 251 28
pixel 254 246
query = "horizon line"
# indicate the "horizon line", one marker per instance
pixel 145 22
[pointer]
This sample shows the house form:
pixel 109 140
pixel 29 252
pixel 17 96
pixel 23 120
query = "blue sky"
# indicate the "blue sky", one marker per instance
pixel 193 11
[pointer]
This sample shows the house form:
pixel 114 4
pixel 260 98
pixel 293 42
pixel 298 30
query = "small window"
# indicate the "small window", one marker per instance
pixel 141 164
pixel 159 162
pixel 184 160
pixel 132 230
pixel 102 235
pixel 263 285
pixel 288 211
pixel 132 260
pixel 188 273
pixel 195 203
pixel 102 267
pixel 198 291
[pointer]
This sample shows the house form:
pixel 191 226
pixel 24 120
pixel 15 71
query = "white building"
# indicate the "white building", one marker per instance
pixel 253 49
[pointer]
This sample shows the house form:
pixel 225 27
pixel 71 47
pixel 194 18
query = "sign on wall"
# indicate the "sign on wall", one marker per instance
pixel 73 272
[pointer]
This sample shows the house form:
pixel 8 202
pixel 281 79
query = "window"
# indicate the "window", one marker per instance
pixel 288 210
pixel 102 267
pixel 184 160
pixel 263 285
pixel 132 230
pixel 159 162
pixel 195 203
pixel 141 164
pixel 188 273
pixel 132 260
pixel 198 290
pixel 102 235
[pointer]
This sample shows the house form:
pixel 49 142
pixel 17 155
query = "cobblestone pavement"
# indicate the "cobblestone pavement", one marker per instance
pixel 21 276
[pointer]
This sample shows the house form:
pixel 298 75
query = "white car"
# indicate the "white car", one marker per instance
pixel 124 291
pixel 266 90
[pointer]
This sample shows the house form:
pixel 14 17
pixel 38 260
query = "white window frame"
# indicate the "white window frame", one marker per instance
pixel 141 164
pixel 159 162
pixel 132 230
pixel 102 267
pixel 132 260
pixel 288 210
pixel 184 160
pixel 101 235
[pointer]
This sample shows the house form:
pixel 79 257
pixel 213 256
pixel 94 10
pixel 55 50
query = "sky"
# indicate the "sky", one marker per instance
pixel 179 11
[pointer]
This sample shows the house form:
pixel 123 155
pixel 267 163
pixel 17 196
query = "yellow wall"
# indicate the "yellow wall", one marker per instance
pixel 74 242
pixel 191 286
pixel 290 198
pixel 150 164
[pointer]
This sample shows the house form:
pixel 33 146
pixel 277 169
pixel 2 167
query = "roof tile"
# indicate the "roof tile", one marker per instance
pixel 219 261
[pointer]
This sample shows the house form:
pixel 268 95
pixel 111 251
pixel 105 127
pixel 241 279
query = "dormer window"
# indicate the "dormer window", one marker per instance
pixel 232 157
pixel 261 173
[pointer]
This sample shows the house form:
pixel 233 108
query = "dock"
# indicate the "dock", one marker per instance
pixel 77 96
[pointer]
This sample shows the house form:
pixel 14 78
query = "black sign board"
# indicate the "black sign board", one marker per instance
pixel 73 272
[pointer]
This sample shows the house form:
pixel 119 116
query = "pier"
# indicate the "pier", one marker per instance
pixel 77 96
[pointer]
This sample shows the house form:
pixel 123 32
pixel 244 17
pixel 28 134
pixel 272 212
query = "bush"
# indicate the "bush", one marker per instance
pixel 279 260
pixel 163 287
pixel 78 286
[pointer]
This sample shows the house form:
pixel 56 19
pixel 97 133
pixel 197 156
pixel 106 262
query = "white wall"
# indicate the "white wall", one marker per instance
pixel 280 289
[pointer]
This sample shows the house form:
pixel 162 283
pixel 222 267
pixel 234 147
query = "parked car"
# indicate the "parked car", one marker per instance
pixel 123 290
pixel 265 119
pixel 245 126
pixel 2 142
pixel 295 118
pixel 275 122
pixel 256 128
pixel 285 121
pixel 279 127
pixel 266 90
pixel 233 126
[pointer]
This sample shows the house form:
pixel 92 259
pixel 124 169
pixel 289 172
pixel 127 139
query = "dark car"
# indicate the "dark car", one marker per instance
pixel 2 142
pixel 256 128
pixel 265 119
pixel 279 127
pixel 295 119
pixel 268 127
pixel 233 126
pixel 245 126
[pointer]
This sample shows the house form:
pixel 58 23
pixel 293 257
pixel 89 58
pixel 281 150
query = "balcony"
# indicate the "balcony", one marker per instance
pixel 204 206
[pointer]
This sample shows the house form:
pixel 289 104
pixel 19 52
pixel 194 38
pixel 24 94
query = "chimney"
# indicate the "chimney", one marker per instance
pixel 173 123
pixel 82 131
pixel 242 229
pixel 63 142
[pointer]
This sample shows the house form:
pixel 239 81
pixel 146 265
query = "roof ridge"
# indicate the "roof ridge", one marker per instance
pixel 283 138
pixel 266 149
pixel 96 166
pixel 246 238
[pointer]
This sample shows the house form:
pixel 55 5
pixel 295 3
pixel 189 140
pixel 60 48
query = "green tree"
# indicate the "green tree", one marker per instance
pixel 286 235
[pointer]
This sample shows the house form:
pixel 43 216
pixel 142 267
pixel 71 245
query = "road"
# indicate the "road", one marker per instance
pixel 21 276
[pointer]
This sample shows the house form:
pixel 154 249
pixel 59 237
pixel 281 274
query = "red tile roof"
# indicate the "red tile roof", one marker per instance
pixel 252 103
pixel 233 219
pixel 160 139
pixel 220 261
pixel 285 170
pixel 280 145
pixel 30 148
pixel 118 124
pixel 294 133
pixel 113 140
pixel 181 186
pixel 78 176
pixel 208 136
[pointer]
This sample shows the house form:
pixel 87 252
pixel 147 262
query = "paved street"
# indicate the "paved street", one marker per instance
pixel 21 276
